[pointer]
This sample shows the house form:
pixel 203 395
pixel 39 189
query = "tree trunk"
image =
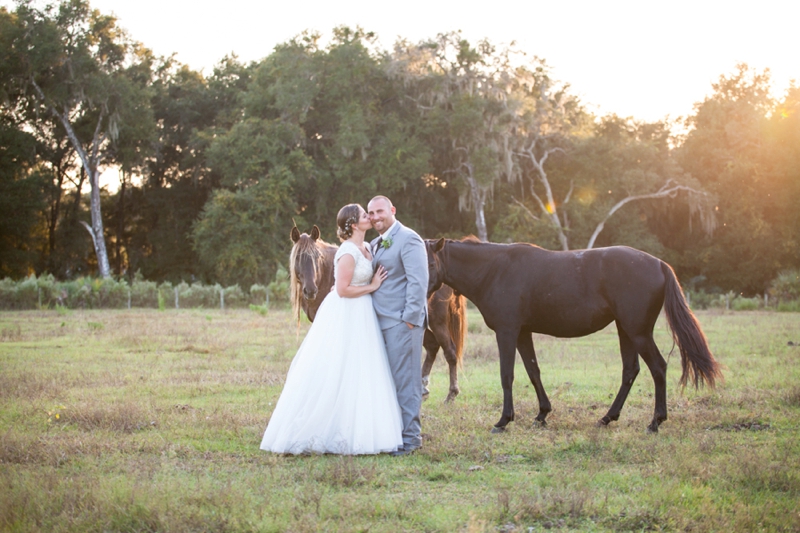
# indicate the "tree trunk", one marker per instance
pixel 55 210
pixel 97 227
pixel 120 225
pixel 90 165
pixel 549 210
pixel 478 204
pixel 480 222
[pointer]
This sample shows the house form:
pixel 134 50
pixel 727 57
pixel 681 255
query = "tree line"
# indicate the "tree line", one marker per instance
pixel 466 138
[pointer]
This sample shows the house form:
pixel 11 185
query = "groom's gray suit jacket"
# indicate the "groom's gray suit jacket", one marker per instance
pixel 402 297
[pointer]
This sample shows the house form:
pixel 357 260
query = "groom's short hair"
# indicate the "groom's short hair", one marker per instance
pixel 381 197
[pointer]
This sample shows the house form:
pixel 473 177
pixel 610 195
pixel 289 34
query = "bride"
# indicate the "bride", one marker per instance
pixel 339 396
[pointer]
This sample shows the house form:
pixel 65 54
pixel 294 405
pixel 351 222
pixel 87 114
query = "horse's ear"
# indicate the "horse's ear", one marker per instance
pixel 314 233
pixel 439 245
pixel 295 234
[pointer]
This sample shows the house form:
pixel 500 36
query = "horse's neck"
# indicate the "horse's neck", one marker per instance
pixel 326 276
pixel 474 263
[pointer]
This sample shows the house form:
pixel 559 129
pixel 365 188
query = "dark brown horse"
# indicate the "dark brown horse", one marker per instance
pixel 522 289
pixel 311 273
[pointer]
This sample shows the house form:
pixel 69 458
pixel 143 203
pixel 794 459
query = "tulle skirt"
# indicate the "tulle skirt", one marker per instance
pixel 339 396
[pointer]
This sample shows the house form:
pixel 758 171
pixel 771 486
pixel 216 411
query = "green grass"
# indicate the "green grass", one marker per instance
pixel 150 421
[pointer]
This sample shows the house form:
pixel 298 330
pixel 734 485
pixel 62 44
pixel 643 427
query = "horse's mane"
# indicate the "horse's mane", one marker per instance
pixel 472 239
pixel 305 246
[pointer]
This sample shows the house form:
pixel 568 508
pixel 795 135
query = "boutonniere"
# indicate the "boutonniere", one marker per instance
pixel 386 243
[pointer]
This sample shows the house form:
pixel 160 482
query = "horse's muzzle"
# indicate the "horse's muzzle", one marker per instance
pixel 309 295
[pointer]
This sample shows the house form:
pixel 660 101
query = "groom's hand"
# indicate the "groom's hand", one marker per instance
pixel 410 326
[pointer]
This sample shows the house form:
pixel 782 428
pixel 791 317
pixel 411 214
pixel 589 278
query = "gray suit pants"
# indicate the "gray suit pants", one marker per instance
pixel 404 349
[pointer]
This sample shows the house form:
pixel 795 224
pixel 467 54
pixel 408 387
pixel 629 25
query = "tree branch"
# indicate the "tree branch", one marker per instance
pixel 666 191
pixel 89 229
pixel 528 211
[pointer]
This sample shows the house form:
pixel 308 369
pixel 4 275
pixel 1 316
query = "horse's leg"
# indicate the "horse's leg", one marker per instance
pixel 431 346
pixel 630 369
pixel 506 344
pixel 449 351
pixel 528 355
pixel 647 348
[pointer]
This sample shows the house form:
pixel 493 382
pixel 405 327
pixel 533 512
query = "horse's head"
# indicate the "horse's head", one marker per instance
pixel 305 267
pixel 435 265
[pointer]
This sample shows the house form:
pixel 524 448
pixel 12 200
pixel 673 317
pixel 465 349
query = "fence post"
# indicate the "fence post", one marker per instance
pixel 40 296
pixel 221 298
pixel 728 301
pixel 766 300
pixel 177 306
pixel 129 298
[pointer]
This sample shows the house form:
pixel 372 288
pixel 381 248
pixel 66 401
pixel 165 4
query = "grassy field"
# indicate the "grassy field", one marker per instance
pixel 150 421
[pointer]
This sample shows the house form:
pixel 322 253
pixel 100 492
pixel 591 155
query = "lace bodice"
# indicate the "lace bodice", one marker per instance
pixel 363 272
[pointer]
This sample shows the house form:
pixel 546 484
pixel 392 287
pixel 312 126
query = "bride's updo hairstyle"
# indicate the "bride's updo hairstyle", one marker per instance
pixel 346 219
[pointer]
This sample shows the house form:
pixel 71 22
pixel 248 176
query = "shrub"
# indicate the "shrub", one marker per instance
pixel 793 307
pixel 279 288
pixel 197 295
pixel 745 304
pixel 99 293
pixel 258 295
pixel 144 293
pixel 700 299
pixel 28 293
pixel 166 296
pixel 786 286
pixel 109 293
pixel 235 297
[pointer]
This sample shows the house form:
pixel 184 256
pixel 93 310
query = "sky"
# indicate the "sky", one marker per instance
pixel 648 60
pixel 643 59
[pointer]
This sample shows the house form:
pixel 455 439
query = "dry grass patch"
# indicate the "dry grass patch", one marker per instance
pixel 209 381
pixel 125 417
pixel 32 385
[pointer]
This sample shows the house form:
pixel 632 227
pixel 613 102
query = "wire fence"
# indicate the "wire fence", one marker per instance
pixel 45 292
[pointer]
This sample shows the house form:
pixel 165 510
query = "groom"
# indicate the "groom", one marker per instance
pixel 400 304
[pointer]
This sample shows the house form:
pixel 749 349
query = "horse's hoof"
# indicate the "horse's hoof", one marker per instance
pixel 652 429
pixel 450 398
pixel 497 429
pixel 539 423
pixel 603 423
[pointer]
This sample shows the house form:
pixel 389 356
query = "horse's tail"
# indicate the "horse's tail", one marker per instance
pixel 457 324
pixel 699 365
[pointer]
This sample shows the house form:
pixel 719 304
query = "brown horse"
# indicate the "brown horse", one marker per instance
pixel 311 273
pixel 522 289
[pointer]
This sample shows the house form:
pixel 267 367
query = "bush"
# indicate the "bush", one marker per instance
pixel 700 299
pixel 99 293
pixel 792 307
pixel 745 304
pixel 234 296
pixel 144 293
pixel 279 288
pixel 109 293
pixel 786 286
pixel 197 295
pixel 258 295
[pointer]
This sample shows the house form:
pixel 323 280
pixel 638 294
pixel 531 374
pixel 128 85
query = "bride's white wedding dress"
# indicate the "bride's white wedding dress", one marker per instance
pixel 339 396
